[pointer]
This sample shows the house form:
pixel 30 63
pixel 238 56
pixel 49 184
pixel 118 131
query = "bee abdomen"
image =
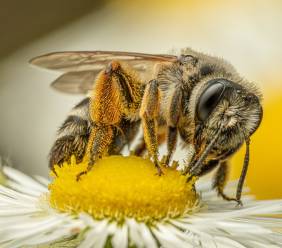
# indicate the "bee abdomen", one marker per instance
pixel 67 146
pixel 73 125
pixel 72 136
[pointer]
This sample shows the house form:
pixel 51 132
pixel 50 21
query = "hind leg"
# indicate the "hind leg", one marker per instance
pixel 117 93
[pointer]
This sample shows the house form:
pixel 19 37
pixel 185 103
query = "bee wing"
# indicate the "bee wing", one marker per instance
pixel 75 82
pixel 95 60
pixel 81 68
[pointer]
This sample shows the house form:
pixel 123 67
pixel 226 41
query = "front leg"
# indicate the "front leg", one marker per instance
pixel 220 181
pixel 149 114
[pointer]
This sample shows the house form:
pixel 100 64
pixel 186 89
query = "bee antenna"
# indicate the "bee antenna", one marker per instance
pixel 244 169
pixel 197 166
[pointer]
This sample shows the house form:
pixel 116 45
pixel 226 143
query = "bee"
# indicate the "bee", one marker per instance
pixel 194 97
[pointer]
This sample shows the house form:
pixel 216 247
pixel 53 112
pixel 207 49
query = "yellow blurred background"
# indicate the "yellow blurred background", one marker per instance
pixel 264 175
pixel 246 33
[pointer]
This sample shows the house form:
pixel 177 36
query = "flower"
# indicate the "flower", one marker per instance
pixel 119 187
pixel 33 217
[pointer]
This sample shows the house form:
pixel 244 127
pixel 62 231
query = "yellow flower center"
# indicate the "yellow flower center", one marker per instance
pixel 119 187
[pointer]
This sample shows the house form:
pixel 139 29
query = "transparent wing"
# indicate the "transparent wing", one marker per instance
pixel 82 67
pixel 82 61
pixel 76 82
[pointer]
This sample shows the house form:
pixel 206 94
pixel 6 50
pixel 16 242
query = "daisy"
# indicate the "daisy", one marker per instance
pixel 122 203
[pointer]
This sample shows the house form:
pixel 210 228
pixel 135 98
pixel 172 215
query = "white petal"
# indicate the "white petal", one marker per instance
pixel 44 181
pixel 259 245
pixel 8 201
pixel 168 240
pixel 148 239
pixel 223 242
pixel 23 179
pixel 239 227
pixel 88 220
pixel 177 233
pixel 29 229
pixel 7 212
pixel 255 209
pixel 17 195
pixel 120 237
pixel 40 238
pixel 56 234
pixel 96 236
pixel 25 190
pixel 134 233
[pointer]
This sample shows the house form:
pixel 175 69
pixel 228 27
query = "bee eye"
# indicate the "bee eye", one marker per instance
pixel 209 99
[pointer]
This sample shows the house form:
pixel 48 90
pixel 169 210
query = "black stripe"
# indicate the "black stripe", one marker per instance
pixel 75 121
pixel 125 87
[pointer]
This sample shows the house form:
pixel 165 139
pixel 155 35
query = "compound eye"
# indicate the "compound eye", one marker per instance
pixel 209 99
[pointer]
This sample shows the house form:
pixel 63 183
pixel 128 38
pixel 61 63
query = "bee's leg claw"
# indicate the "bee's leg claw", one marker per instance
pixel 165 161
pixel 189 178
pixel 220 181
pixel 160 172
pixel 239 203
pixel 227 198
pixel 188 170
pixel 78 176
pixel 175 164
pixel 54 172
pixel 89 167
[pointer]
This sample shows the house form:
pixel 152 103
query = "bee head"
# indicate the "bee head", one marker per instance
pixel 226 108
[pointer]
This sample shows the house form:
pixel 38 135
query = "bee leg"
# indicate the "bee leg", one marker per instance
pixel 208 167
pixel 149 113
pixel 99 142
pixel 220 181
pixel 124 135
pixel 116 93
pixel 174 113
pixel 141 148
pixel 244 172
pixel 171 145
pixel 149 126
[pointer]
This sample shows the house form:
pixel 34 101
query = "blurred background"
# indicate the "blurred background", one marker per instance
pixel 246 33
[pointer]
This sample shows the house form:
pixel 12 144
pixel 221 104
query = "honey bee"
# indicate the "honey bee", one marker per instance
pixel 198 98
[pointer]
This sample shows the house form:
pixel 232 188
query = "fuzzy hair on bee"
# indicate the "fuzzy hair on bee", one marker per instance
pixel 197 98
